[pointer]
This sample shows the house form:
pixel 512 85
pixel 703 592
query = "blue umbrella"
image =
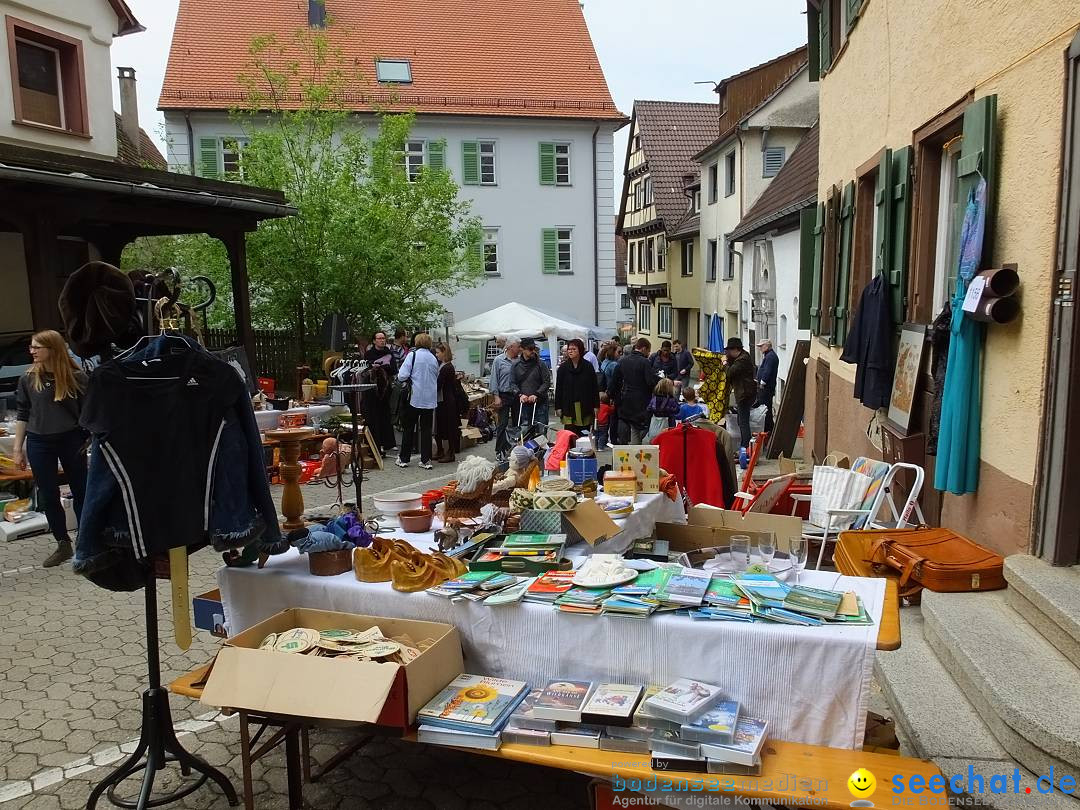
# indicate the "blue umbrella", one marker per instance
pixel 957 468
pixel 716 333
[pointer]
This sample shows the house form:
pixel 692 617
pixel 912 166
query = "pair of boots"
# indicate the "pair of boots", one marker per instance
pixel 63 552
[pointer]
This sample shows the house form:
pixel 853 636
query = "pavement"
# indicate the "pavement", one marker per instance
pixel 72 666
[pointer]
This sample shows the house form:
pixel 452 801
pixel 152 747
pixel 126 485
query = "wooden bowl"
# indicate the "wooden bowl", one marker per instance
pixel 415 521
pixel 330 563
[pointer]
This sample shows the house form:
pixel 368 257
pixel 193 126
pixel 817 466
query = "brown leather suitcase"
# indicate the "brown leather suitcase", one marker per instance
pixel 938 559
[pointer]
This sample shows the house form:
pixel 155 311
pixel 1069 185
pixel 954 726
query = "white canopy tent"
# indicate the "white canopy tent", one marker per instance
pixel 516 320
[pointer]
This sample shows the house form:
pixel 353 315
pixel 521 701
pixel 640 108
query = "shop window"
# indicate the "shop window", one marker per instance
pixel 710 259
pixel 491 251
pixel 48 78
pixel 645 317
pixel 688 258
pixel 663 320
pixel 729 173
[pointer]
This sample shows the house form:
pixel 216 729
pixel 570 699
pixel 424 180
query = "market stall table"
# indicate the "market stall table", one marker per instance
pixel 811 684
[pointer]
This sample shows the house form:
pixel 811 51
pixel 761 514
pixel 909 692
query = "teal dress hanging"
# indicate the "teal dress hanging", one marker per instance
pixel 957 468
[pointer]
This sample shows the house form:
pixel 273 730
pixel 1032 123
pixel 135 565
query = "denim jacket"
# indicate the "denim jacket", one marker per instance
pixel 176 460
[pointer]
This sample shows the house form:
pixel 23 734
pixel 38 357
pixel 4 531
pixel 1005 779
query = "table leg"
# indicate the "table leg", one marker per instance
pixel 305 753
pixel 245 761
pixel 293 768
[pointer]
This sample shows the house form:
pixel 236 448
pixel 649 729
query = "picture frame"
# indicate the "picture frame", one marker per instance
pixel 909 357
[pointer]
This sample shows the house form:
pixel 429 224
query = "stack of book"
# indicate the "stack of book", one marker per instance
pixel 530 547
pixel 470 712
pixel 681 587
pixel 479 586
pixel 582 600
pixel 724 601
pixel 580 713
pixel 550 586
pixel 635 599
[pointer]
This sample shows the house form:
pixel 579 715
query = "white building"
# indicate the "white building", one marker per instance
pixel 528 138
pixel 765 113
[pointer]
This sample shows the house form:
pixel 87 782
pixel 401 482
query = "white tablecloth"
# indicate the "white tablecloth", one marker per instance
pixel 270 420
pixel 811 684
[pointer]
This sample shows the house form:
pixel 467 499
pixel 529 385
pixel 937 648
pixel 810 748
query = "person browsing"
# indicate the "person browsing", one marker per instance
pixel 576 393
pixel 766 380
pixel 533 380
pixel 506 394
pixel 422 369
pixel 741 383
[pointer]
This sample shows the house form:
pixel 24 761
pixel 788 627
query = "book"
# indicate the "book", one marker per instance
pixel 762 589
pixel 717 725
pixel 477 703
pixel 683 700
pixel 612 704
pixel 468 580
pixel 721 615
pixel 550 586
pixel 525 736
pixel 533 541
pixel 813 601
pixel 581 736
pixel 459 739
pixel 523 717
pixel 745 746
pixel 723 591
pixel 669 742
pixel 562 700
pixel 686 587
pixel 511 595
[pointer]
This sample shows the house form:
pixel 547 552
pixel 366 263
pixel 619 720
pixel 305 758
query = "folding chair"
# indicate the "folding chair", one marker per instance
pixel 764 500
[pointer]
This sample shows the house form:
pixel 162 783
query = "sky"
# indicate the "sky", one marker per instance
pixel 649 49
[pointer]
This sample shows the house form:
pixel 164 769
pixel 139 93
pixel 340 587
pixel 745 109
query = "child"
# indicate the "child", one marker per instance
pixel 691 407
pixel 663 403
pixel 603 419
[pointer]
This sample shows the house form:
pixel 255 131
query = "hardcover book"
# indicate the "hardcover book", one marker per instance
pixel 477 703
pixel 562 700
pixel 717 725
pixel 684 700
pixel 612 704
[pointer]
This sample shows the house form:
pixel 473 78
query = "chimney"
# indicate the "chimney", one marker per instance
pixel 316 13
pixel 129 108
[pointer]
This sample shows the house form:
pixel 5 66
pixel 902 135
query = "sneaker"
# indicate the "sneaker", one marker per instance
pixel 425 465
pixel 401 463
pixel 63 552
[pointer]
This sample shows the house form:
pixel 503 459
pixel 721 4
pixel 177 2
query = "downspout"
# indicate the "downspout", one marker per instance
pixel 190 143
pixel 596 233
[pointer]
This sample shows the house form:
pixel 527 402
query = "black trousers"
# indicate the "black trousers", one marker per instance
pixel 766 399
pixel 416 420
pixel 43 451
pixel 744 407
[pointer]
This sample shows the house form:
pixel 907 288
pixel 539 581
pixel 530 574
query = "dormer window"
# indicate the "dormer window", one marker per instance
pixel 48 83
pixel 393 71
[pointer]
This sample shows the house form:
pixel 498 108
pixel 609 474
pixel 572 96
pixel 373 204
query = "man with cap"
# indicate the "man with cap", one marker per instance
pixel 766 380
pixel 533 380
pixel 741 383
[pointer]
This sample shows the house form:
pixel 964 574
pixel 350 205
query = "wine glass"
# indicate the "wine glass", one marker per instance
pixel 740 551
pixel 767 547
pixel 798 548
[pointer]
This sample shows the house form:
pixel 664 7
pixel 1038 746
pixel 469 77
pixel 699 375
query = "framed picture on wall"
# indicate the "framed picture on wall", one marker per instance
pixel 909 356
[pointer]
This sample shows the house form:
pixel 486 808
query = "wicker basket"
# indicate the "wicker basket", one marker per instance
pixel 466 505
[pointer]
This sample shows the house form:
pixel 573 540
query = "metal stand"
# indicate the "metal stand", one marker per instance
pixel 158 739
pixel 357 464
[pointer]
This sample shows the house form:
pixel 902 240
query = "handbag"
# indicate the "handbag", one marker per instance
pixel 938 559
pixel 401 393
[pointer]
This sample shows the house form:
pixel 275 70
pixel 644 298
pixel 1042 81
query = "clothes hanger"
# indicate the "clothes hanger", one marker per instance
pixel 167 324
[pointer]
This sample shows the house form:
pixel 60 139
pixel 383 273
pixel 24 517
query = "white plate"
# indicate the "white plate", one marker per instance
pixel 630 575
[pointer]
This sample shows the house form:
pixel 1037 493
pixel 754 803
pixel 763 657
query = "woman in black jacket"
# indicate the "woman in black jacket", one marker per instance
pixel 375 404
pixel 577 395
pixel 447 412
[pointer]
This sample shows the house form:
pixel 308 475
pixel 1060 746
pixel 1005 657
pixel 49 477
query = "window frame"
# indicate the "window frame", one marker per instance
pixel 408 69
pixel 729 173
pixel 647 192
pixel 485 244
pixel 686 250
pixel 729 260
pixel 644 324
pixel 241 143
pixel 71 76
pixel 712 247
pixel 407 153
pixel 568 243
pixel 661 252
pixel 625 301
pixel 695 203
pixel 631 256
pixel 494 181
pixel 714 183
pixel 566 156
pixel 650 253
pixel 661 308
pixel 765 160
pixel 864 228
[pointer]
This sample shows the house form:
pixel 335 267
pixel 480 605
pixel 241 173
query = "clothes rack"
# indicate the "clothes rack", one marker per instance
pixel 158 745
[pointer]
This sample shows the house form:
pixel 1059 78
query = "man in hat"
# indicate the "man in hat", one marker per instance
pixel 766 380
pixel 741 383
pixel 533 380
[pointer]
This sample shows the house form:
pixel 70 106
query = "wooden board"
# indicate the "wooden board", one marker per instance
pixel 789 417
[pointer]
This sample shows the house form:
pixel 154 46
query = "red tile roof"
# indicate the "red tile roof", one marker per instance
pixel 530 58
pixel 793 188
pixel 149 157
pixel 672 132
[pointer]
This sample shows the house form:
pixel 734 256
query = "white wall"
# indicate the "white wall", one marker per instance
pixel 717 219
pixel 786 258
pixel 518 206
pixel 93 22
pixel 15 313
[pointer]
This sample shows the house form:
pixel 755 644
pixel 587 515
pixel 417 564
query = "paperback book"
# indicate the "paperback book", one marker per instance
pixel 684 700
pixel 562 700
pixel 717 725
pixel 550 586
pixel 476 703
pixel 612 704
pixel 686 587
pixel 813 601
pixel 763 590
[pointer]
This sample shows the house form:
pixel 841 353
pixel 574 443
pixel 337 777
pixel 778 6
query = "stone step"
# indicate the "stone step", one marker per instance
pixel 1049 598
pixel 1026 692
pixel 940 724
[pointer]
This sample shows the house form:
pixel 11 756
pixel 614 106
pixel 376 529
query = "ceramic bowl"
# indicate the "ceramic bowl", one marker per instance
pixel 415 521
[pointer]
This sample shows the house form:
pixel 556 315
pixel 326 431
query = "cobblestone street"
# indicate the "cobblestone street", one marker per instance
pixel 72 665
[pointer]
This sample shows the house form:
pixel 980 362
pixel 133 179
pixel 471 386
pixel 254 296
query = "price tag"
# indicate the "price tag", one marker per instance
pixel 974 294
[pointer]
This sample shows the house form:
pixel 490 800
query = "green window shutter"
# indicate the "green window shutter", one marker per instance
pixel 813 42
pixel 842 296
pixel 551 250
pixel 436 154
pixel 474 353
pixel 476 252
pixel 852 13
pixel 208 159
pixel 825 37
pixel 547 164
pixel 884 214
pixel 807 218
pixel 978 156
pixel 819 264
pixel 470 163
pixel 900 238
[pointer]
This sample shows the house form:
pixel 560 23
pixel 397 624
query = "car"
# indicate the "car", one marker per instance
pixel 14 362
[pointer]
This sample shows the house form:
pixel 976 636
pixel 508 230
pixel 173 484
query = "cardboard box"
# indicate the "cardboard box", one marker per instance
pixel 588 522
pixel 784 527
pixel 269 682
pixel 209 613
pixel 643 460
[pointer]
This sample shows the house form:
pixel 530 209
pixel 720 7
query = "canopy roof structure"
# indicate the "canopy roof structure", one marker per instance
pixel 516 320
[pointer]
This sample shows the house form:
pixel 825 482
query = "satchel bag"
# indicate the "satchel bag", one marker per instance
pixel 938 559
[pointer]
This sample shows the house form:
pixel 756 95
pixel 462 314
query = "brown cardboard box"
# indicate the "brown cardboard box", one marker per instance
pixel 588 522
pixel 270 682
pixel 783 526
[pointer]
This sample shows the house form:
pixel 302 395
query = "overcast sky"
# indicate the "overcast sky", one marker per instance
pixel 649 49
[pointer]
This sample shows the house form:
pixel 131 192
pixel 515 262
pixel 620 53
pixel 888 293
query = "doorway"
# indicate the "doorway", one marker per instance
pixel 1058 519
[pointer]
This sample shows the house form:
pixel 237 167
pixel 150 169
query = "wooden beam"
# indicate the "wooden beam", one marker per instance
pixel 236 244
pixel 790 414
